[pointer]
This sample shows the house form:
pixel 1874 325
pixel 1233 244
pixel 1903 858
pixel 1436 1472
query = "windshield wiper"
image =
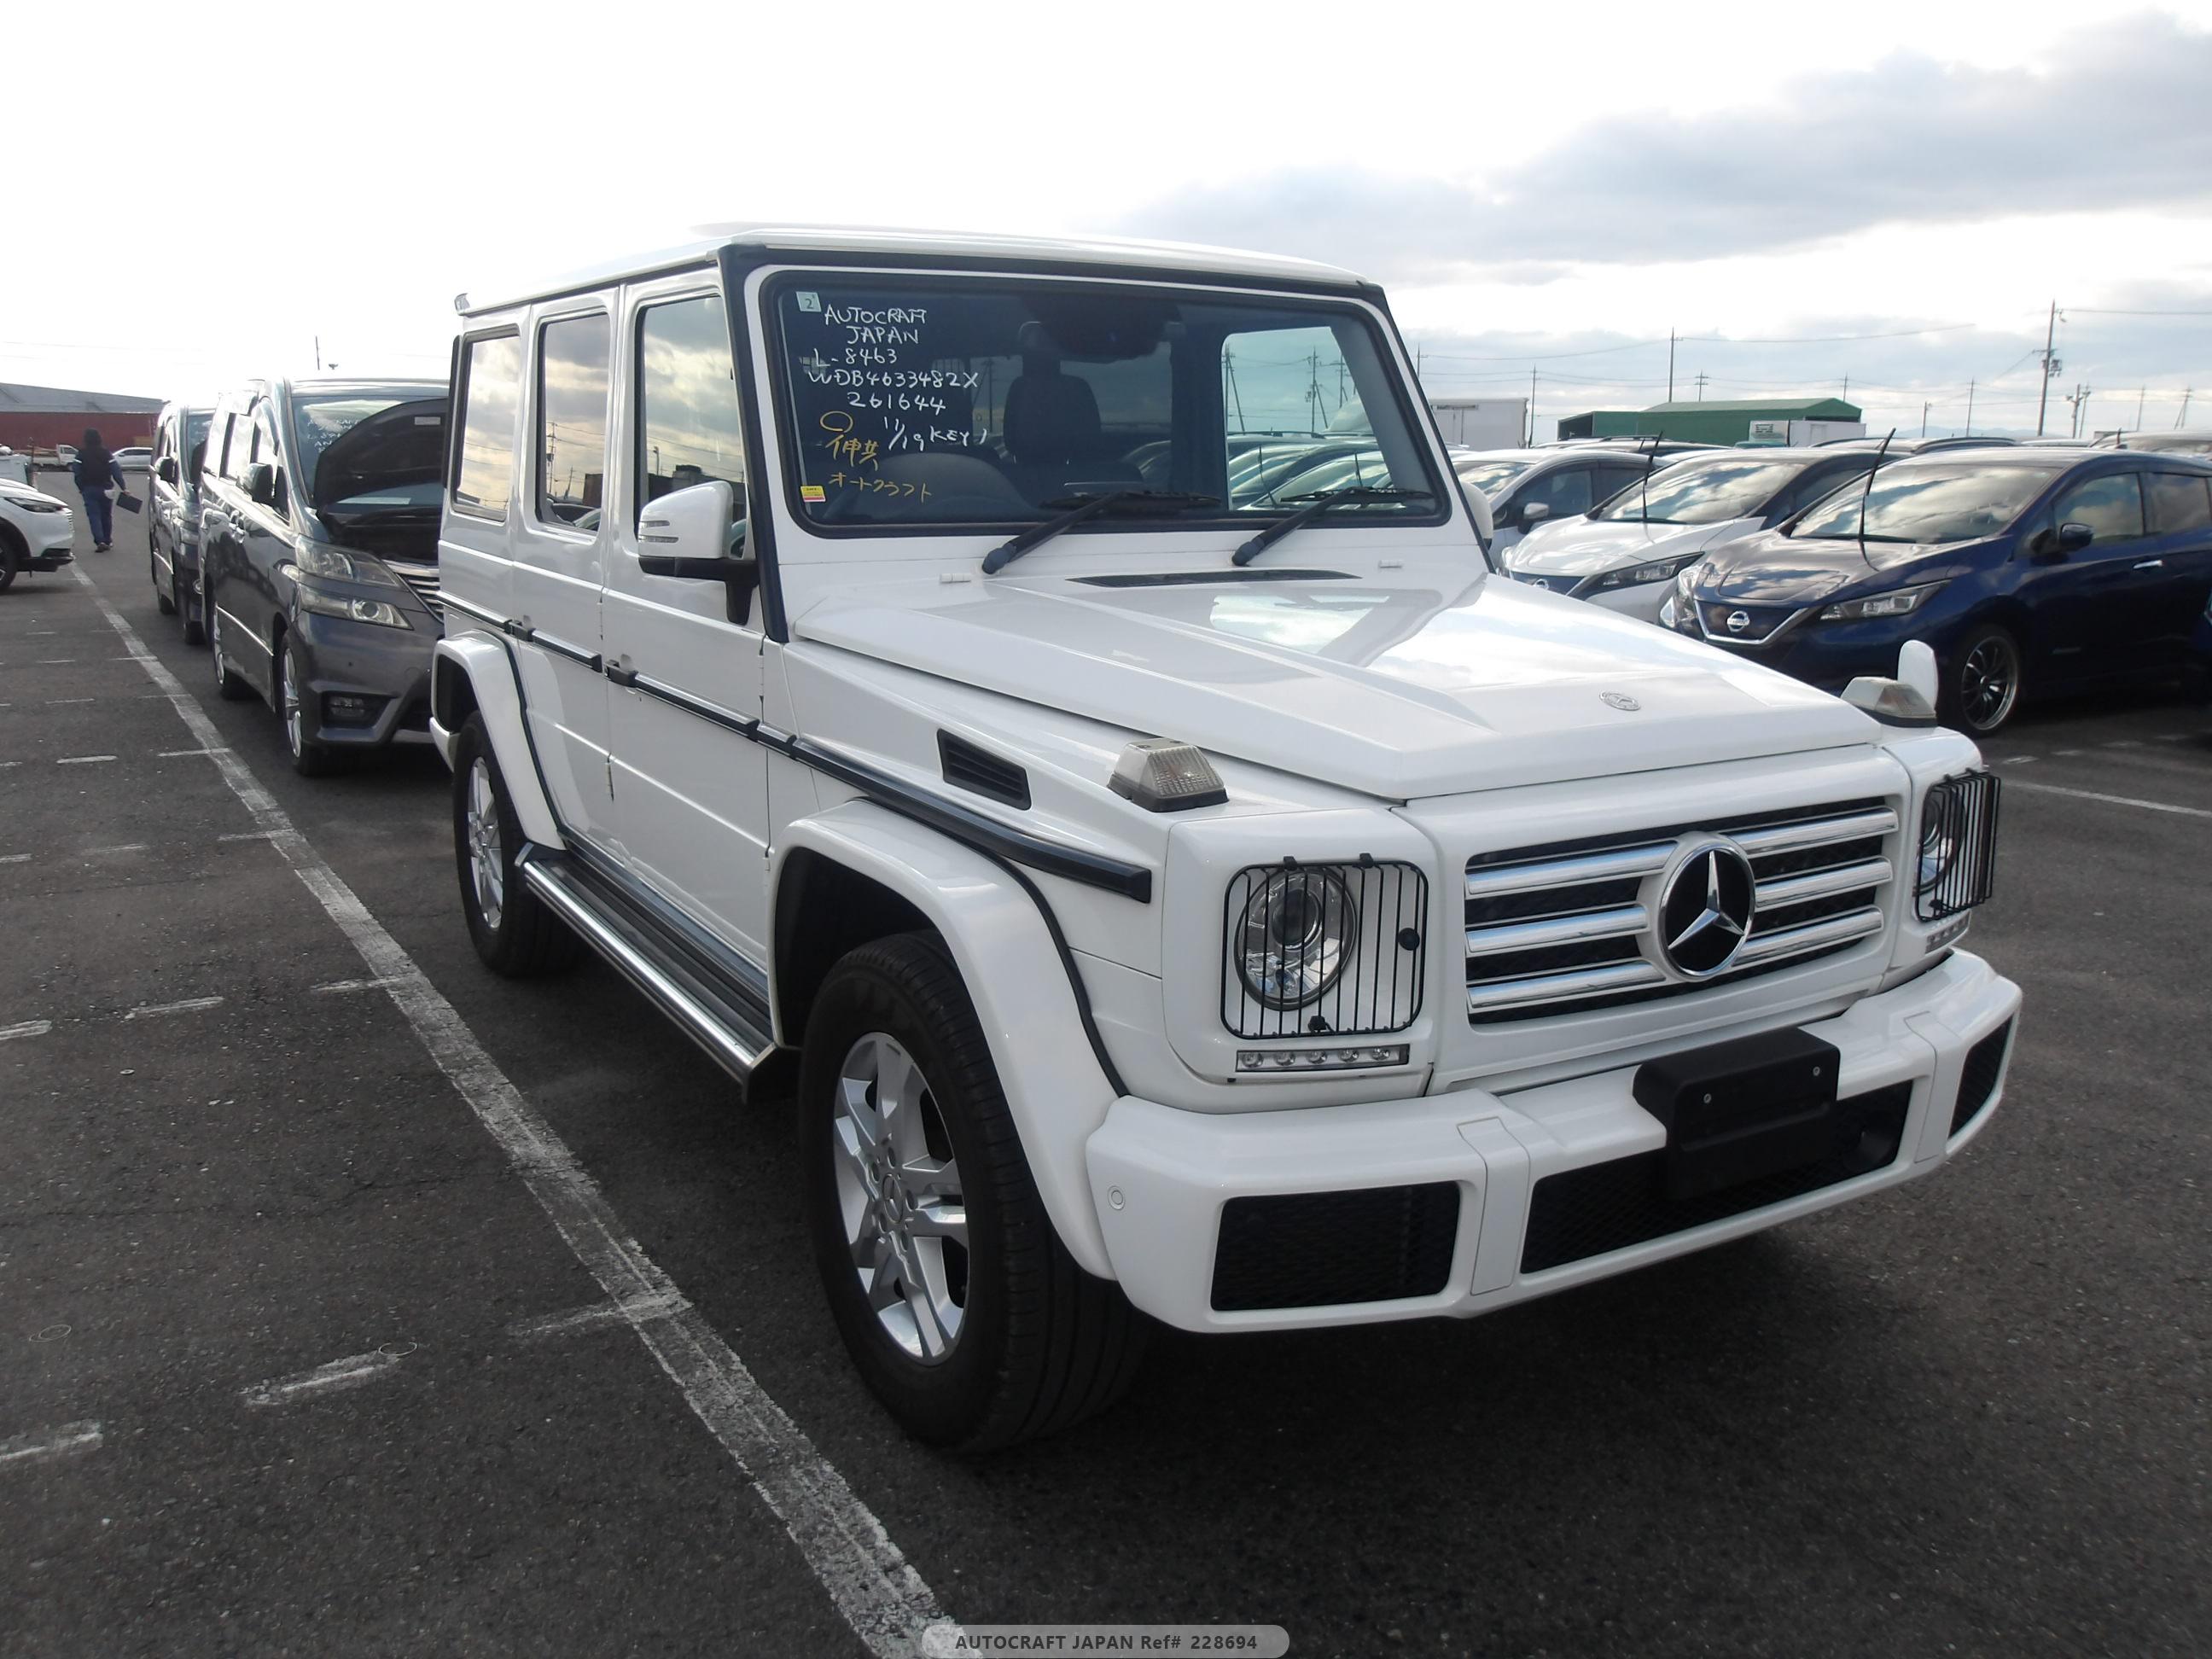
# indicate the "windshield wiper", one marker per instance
pixel 1083 505
pixel 1316 504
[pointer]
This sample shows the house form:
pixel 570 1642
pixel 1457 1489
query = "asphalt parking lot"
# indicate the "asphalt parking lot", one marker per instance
pixel 302 1352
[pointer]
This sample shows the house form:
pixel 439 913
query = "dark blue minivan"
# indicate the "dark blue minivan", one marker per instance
pixel 2027 570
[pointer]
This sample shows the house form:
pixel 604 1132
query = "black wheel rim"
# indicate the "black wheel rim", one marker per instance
pixel 1988 683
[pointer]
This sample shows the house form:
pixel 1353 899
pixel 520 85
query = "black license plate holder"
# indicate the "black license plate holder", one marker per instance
pixel 1738 1110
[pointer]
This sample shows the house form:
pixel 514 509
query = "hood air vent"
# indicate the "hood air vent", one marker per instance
pixel 982 773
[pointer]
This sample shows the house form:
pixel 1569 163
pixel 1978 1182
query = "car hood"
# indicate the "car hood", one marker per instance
pixel 403 444
pixel 1585 547
pixel 1776 569
pixel 1397 691
pixel 15 492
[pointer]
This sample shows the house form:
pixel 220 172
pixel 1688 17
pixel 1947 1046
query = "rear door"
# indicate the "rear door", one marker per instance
pixel 2177 566
pixel 690 789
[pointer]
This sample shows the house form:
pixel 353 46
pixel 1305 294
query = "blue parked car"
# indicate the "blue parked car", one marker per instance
pixel 2027 570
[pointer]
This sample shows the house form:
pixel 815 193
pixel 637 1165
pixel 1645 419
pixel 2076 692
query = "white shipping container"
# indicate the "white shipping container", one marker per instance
pixel 1483 422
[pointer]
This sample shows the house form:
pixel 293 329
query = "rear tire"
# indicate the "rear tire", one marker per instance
pixel 230 687
pixel 964 1312
pixel 514 931
pixel 1983 682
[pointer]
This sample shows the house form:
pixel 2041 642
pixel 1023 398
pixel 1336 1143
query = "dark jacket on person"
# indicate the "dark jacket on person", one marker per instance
pixel 95 468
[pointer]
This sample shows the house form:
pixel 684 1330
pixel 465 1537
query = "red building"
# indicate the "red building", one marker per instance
pixel 35 418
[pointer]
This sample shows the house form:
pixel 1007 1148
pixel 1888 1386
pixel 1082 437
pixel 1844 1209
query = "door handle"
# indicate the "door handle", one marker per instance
pixel 2150 564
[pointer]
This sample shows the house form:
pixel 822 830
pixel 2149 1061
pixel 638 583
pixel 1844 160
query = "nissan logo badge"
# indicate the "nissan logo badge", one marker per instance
pixel 1738 621
pixel 1620 700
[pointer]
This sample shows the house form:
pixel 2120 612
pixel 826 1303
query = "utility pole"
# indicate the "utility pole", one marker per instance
pixel 2141 391
pixel 1702 378
pixel 1923 417
pixel 2049 339
pixel 2181 419
pixel 1847 388
pixel 1532 407
pixel 1970 409
pixel 318 354
pixel 1670 365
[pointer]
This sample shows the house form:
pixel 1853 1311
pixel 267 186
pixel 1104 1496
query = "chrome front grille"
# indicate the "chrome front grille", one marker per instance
pixel 1572 926
pixel 423 579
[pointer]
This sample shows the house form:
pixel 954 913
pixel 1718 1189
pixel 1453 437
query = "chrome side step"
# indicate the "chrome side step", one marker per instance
pixel 713 1009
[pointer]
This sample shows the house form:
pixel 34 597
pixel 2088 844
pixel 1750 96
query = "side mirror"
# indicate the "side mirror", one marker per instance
pixel 696 535
pixel 261 483
pixel 1535 513
pixel 168 469
pixel 2072 537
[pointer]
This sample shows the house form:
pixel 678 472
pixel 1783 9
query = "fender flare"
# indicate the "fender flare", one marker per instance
pixel 481 663
pixel 1026 1000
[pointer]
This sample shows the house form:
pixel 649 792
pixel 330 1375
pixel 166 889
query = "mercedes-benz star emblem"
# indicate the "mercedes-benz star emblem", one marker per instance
pixel 1738 621
pixel 1620 700
pixel 1705 909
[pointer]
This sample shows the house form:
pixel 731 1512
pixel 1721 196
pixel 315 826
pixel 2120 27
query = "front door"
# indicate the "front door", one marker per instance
pixel 690 793
pixel 2089 605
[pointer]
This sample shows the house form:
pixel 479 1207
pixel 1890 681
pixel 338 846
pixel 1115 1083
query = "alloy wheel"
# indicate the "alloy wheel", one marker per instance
pixel 295 721
pixel 1988 683
pixel 487 867
pixel 904 1219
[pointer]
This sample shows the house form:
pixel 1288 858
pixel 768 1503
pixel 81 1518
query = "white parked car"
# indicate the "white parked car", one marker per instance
pixel 1526 487
pixel 36 530
pixel 1623 554
pixel 137 458
pixel 1248 915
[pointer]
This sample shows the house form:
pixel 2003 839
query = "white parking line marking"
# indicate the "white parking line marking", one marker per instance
pixel 586 1318
pixel 52 702
pixel 2015 760
pixel 350 1373
pixel 2175 737
pixel 353 984
pixel 54 662
pixel 82 760
pixel 120 846
pixel 28 1028
pixel 14 858
pixel 189 1005
pixel 40 1444
pixel 2116 800
pixel 874 1588
pixel 171 753
pixel 249 835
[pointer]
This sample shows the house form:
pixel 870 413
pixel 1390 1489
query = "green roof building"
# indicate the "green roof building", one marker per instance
pixel 1735 421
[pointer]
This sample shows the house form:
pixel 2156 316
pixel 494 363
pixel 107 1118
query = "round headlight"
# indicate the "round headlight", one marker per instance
pixel 1296 935
pixel 1938 846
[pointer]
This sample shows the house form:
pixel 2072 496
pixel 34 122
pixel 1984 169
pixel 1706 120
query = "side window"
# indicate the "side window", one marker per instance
pixel 219 443
pixel 1568 490
pixel 483 449
pixel 240 456
pixel 266 451
pixel 2111 506
pixel 2180 502
pixel 162 434
pixel 689 429
pixel 571 421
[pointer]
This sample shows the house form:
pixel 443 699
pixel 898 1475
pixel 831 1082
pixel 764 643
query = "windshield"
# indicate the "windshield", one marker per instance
pixel 1491 477
pixel 990 401
pixel 404 449
pixel 1689 493
pixel 1954 503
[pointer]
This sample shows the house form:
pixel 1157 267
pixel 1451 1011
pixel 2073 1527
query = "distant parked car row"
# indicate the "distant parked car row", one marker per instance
pixel 295 530
pixel 2026 567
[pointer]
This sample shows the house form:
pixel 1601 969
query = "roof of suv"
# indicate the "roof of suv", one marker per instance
pixel 926 244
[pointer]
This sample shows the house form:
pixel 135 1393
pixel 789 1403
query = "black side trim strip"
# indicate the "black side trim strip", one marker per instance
pixel 519 631
pixel 1074 974
pixel 560 647
pixel 986 835
pixel 690 705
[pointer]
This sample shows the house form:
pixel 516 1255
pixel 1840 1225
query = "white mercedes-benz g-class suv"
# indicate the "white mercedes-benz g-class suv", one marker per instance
pixel 1058 693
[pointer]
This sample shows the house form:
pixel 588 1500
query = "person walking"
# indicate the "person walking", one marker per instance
pixel 96 474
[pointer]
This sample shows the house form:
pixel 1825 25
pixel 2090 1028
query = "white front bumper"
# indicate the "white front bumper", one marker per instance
pixel 1160 1176
pixel 46 533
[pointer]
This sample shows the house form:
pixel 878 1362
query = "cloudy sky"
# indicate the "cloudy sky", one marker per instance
pixel 1888 193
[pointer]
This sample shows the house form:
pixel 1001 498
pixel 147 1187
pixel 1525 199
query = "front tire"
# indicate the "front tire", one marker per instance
pixel 1983 682
pixel 514 931
pixel 189 609
pixel 310 759
pixel 962 1309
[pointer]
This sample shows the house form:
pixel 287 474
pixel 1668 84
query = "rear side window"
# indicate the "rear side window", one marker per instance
pixel 571 421
pixel 491 387
pixel 2178 501
pixel 219 445
pixel 688 431
pixel 2111 506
